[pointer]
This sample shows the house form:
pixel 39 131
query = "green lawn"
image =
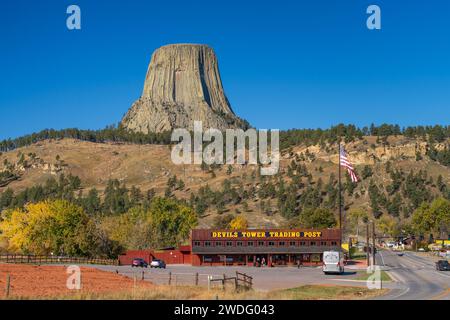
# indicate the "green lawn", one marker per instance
pixel 364 275
pixel 359 256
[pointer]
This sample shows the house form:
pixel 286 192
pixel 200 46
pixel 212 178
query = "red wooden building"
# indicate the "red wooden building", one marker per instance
pixel 271 247
pixel 180 255
pixel 253 247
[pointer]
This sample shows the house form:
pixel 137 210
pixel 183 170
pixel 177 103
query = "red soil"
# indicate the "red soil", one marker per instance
pixel 50 281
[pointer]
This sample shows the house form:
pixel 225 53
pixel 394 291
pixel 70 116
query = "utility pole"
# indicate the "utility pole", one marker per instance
pixel 367 244
pixel 373 243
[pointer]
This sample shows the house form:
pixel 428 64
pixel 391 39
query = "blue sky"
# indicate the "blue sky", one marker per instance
pixel 284 64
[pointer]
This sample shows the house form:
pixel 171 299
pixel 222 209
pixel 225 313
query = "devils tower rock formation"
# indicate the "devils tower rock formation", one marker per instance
pixel 182 85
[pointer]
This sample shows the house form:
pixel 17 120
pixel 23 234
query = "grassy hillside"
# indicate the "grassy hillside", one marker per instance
pixel 397 173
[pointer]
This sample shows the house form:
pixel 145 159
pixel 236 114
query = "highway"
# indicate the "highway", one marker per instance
pixel 416 277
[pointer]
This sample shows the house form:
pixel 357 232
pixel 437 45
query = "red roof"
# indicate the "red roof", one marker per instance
pixel 185 248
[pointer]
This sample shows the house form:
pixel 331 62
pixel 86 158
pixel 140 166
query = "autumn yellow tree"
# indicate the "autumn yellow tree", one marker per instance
pixel 432 218
pixel 387 225
pixel 165 223
pixel 239 223
pixel 132 230
pixel 58 227
pixel 173 221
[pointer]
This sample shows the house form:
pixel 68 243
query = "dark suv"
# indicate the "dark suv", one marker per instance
pixel 139 262
pixel 442 265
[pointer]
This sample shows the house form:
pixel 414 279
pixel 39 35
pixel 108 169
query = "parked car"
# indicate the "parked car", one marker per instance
pixel 333 262
pixel 442 265
pixel 390 244
pixel 139 262
pixel 156 263
pixel 360 245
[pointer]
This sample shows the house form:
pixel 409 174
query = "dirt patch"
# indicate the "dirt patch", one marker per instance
pixel 359 264
pixel 50 281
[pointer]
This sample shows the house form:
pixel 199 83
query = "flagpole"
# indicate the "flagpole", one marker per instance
pixel 340 198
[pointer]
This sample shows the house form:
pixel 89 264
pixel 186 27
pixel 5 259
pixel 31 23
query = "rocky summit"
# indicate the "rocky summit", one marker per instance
pixel 182 85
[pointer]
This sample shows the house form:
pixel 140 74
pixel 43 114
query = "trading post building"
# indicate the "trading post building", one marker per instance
pixel 253 247
pixel 262 247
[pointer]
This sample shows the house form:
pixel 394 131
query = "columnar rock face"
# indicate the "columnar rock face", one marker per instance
pixel 182 85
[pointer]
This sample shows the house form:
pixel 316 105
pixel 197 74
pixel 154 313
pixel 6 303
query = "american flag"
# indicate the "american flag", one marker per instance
pixel 346 163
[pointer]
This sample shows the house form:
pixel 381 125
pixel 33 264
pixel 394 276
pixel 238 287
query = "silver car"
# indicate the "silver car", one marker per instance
pixel 156 263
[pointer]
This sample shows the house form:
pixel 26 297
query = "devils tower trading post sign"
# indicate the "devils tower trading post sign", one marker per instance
pixel 266 234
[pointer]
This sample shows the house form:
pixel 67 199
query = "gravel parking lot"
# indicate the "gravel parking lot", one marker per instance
pixel 263 278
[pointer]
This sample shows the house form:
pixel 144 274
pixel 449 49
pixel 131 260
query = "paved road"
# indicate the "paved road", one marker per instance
pixel 416 277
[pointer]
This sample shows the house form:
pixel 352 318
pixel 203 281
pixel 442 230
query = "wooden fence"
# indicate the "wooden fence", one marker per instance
pixel 37 259
pixel 241 281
